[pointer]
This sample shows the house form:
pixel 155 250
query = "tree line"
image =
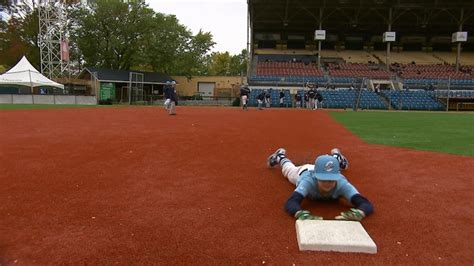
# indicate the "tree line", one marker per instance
pixel 121 36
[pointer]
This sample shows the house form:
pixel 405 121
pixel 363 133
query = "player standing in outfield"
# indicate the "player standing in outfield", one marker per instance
pixel 322 181
pixel 312 97
pixel 166 95
pixel 170 94
pixel 282 98
pixel 268 98
pixel 298 100
pixel 306 100
pixel 244 95
pixel 319 99
pixel 260 100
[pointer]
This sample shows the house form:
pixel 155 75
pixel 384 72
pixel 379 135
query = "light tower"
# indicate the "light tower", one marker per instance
pixel 54 50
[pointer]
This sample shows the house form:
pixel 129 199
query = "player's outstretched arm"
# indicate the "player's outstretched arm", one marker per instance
pixel 293 207
pixel 293 204
pixel 363 208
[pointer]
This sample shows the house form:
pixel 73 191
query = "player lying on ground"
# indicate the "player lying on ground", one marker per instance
pixel 322 181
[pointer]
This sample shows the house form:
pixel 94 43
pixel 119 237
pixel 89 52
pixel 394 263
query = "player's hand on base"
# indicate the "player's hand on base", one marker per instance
pixel 351 215
pixel 306 215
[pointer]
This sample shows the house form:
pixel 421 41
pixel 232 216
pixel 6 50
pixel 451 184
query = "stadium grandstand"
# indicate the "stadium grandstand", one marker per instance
pixel 375 54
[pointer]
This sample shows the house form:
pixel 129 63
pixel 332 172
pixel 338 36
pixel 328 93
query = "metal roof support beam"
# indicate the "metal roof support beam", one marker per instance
pixel 458 54
pixel 387 62
pixel 249 41
pixel 319 41
pixel 285 19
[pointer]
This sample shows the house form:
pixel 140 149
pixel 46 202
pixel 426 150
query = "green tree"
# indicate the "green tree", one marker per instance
pixel 165 45
pixel 171 48
pixel 224 64
pixel 19 36
pixel 109 33
pixel 117 35
pixel 220 64
pixel 196 54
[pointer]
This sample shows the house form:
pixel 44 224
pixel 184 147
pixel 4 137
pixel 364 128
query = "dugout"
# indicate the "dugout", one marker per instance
pixel 126 86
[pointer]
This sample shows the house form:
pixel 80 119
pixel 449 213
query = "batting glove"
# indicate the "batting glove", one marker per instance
pixel 306 215
pixel 351 215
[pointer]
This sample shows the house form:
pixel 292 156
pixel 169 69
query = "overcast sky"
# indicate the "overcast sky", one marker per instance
pixel 225 19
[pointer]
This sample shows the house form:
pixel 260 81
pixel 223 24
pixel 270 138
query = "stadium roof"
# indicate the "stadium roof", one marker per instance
pixel 363 17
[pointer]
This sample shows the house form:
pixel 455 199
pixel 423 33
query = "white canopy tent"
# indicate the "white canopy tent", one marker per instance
pixel 24 74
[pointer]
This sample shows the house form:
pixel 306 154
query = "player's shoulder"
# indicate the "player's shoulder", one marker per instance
pixel 344 184
pixel 309 176
pixel 305 184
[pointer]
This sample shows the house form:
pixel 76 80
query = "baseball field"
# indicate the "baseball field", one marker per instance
pixel 134 185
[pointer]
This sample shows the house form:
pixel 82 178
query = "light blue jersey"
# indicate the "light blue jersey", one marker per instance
pixel 307 186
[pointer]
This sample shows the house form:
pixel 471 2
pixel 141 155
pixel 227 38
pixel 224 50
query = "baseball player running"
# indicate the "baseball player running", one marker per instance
pixel 322 181
pixel 166 95
pixel 244 94
pixel 171 98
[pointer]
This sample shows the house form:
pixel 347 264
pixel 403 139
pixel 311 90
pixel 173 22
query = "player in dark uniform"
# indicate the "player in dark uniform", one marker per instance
pixel 268 98
pixel 298 100
pixel 170 94
pixel 319 99
pixel 322 181
pixel 282 98
pixel 166 95
pixel 306 99
pixel 244 95
pixel 260 100
pixel 311 96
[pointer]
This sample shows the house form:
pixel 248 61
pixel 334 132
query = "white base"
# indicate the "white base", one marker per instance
pixel 340 236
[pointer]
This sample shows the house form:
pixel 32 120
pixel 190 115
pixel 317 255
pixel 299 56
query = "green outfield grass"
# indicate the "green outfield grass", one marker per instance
pixel 441 132
pixel 47 106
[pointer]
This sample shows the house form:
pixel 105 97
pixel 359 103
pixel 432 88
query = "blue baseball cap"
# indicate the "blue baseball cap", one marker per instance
pixel 326 168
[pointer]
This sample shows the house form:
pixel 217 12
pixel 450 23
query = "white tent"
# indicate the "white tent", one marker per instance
pixel 24 74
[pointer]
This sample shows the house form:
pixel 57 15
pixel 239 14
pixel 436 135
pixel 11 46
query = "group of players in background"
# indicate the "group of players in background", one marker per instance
pixel 311 98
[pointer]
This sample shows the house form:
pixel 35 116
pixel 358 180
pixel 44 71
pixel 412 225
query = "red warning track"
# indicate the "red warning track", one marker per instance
pixel 135 185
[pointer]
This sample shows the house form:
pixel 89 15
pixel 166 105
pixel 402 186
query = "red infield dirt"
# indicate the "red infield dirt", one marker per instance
pixel 135 186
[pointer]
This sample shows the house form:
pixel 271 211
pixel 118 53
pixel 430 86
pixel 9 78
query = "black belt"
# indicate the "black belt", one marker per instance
pixel 304 171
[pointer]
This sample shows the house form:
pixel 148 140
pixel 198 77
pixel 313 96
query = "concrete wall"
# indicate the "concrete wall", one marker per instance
pixel 46 99
pixel 86 100
pixel 23 99
pixel 6 98
pixel 43 99
pixel 65 99
pixel 224 85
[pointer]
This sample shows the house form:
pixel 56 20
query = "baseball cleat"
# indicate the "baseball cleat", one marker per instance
pixel 275 158
pixel 343 162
